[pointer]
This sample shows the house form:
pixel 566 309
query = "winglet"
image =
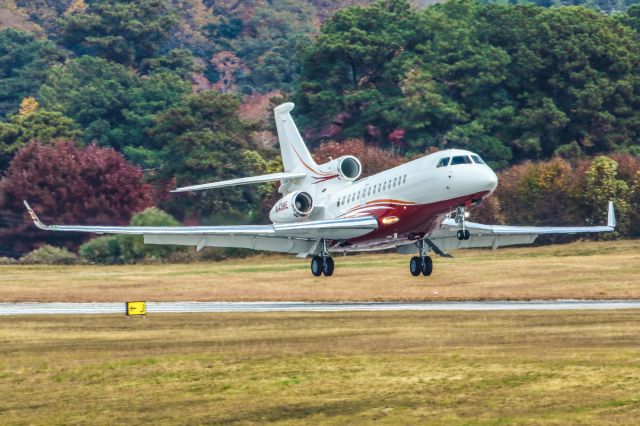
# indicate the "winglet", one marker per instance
pixel 34 217
pixel 611 216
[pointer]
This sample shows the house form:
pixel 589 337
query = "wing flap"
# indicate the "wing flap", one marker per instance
pixel 276 244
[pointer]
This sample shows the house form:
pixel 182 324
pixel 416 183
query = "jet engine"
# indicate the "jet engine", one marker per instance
pixel 348 168
pixel 293 207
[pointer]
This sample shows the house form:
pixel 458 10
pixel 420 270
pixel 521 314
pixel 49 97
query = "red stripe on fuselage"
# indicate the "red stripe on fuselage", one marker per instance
pixel 414 218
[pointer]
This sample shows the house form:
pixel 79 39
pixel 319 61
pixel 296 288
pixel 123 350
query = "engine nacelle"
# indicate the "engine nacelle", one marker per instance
pixel 347 167
pixel 293 207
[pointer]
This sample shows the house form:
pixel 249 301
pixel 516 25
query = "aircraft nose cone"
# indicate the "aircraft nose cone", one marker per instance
pixel 487 181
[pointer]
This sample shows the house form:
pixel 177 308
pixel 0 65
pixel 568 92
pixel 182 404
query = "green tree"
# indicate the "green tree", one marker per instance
pixel 126 32
pixel 631 18
pixel 602 185
pixel 205 141
pixel 41 125
pixel 24 63
pixel 114 106
pixel 131 248
pixel 510 82
pixel 268 41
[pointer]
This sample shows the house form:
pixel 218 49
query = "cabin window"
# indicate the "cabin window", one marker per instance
pixel 477 159
pixel 338 203
pixel 444 162
pixel 369 191
pixel 460 159
pixel 404 179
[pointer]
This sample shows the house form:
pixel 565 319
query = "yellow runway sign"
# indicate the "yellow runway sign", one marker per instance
pixel 136 308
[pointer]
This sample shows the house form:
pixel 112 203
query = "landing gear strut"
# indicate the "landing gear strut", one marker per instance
pixel 421 264
pixel 463 233
pixel 322 264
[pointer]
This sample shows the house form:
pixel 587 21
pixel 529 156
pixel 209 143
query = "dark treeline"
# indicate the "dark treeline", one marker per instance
pixel 106 104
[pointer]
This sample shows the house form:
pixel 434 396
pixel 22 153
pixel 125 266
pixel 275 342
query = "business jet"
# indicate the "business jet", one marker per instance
pixel 418 207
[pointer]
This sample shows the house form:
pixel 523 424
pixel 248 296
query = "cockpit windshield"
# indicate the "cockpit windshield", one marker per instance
pixel 460 159
pixel 444 162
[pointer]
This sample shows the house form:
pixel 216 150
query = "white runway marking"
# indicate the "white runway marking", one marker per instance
pixel 34 308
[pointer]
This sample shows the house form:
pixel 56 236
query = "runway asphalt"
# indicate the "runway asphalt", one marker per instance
pixel 34 308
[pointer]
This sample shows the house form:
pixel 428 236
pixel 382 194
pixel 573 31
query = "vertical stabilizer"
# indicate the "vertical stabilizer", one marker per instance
pixel 295 155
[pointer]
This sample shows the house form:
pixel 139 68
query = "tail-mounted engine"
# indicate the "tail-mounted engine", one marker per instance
pixel 293 207
pixel 348 168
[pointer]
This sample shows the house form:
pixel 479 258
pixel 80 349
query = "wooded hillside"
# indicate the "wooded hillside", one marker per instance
pixel 151 94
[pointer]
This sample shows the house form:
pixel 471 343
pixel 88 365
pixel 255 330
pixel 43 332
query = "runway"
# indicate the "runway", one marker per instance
pixel 33 308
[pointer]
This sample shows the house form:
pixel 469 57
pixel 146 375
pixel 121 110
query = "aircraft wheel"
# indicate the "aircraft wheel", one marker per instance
pixel 460 235
pixel 327 267
pixel 414 266
pixel 427 266
pixel 316 266
pixel 467 234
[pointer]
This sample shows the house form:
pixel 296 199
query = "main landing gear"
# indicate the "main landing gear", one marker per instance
pixel 322 264
pixel 462 234
pixel 421 264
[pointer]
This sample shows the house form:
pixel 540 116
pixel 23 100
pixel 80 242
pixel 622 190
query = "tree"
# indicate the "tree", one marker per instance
pixel 356 66
pixel 114 106
pixel 39 125
pixel 24 63
pixel 131 248
pixel 509 82
pixel 68 184
pixel 601 185
pixel 544 193
pixel 266 42
pixel 204 140
pixel 631 18
pixel 126 32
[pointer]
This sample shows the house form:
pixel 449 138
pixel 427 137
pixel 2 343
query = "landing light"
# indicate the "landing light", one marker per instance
pixel 390 220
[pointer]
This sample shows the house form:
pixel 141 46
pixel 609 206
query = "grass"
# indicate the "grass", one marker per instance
pixel 466 368
pixel 598 270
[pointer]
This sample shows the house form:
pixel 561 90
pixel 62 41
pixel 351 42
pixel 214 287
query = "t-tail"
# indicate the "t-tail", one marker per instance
pixel 295 155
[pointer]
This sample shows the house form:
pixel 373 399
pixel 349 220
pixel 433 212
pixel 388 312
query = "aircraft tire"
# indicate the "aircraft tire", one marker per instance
pixel 467 234
pixel 460 235
pixel 316 266
pixel 328 266
pixel 426 266
pixel 414 266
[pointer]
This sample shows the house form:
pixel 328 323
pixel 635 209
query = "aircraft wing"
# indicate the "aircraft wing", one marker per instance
pixel 500 235
pixel 298 237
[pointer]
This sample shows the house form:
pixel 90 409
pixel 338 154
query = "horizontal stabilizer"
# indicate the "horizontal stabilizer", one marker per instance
pixel 242 181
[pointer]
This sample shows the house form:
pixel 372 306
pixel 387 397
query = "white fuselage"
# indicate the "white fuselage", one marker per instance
pixel 413 196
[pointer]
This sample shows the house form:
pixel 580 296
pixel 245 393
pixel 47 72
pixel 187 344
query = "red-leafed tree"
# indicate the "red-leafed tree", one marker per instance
pixel 65 183
pixel 373 159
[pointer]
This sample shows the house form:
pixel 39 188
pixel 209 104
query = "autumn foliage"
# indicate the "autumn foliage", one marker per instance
pixel 65 183
pixel 556 192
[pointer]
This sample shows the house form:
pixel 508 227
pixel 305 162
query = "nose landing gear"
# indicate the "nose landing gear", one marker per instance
pixel 462 234
pixel 322 264
pixel 422 264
